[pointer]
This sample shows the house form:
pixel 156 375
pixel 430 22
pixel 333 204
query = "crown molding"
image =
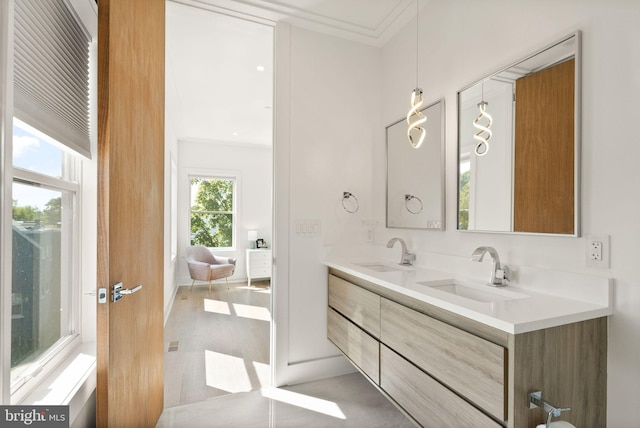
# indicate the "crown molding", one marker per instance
pixel 269 12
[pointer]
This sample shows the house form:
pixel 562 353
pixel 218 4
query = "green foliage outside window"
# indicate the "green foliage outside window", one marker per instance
pixel 212 212
pixel 50 216
pixel 463 207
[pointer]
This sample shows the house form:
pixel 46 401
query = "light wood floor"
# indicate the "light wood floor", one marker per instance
pixel 224 348
pixel 217 344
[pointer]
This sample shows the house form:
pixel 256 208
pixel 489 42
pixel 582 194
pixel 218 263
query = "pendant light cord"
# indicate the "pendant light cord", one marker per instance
pixel 417 39
pixel 415 132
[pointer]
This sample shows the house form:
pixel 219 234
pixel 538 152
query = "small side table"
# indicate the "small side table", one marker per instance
pixel 258 264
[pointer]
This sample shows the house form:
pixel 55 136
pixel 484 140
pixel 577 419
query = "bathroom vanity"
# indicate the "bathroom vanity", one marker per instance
pixel 448 359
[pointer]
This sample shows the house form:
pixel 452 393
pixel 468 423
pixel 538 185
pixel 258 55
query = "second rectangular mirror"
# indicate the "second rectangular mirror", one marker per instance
pixel 525 177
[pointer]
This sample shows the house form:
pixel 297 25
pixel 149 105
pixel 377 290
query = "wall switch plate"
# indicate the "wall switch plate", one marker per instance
pixel 308 228
pixel 597 251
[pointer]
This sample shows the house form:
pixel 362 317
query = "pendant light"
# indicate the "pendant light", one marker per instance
pixel 484 128
pixel 415 118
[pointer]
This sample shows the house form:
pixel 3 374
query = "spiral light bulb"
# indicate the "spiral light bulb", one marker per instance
pixel 415 118
pixel 484 130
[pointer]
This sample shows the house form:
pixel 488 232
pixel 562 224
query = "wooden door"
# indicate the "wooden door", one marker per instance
pixel 130 210
pixel 544 151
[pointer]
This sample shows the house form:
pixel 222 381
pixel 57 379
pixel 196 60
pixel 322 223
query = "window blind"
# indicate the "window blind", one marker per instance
pixel 51 72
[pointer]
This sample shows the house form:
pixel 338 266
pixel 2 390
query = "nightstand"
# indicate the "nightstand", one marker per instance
pixel 258 264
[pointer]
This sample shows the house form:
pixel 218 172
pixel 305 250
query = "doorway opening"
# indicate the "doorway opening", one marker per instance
pixel 219 132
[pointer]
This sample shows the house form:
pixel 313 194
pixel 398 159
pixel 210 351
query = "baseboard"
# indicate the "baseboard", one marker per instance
pixel 167 308
pixel 308 371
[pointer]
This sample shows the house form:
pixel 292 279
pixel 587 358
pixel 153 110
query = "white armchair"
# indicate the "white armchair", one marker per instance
pixel 204 266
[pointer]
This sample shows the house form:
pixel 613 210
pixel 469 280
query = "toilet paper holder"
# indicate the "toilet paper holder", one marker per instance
pixel 535 400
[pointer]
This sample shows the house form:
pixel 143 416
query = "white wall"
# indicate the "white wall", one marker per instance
pixel 327 120
pixel 253 165
pixel 170 212
pixel 463 41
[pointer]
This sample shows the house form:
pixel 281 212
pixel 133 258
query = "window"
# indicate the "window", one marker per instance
pixel 43 282
pixel 49 135
pixel 213 211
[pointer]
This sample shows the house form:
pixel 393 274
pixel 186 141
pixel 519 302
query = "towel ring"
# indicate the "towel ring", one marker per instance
pixel 408 198
pixel 345 197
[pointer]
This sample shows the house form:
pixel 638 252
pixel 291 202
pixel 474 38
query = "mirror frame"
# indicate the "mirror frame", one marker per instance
pixel 577 138
pixel 443 200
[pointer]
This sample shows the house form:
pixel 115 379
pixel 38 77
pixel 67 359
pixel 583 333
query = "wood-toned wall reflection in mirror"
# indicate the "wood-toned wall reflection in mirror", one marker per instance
pixel 543 168
pixel 528 182
pixel 415 176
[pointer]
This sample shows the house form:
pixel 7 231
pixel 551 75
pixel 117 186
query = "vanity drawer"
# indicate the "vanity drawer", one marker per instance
pixel 469 365
pixel 359 305
pixel 362 349
pixel 425 399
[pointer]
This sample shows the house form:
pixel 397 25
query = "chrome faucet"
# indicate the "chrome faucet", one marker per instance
pixel 407 257
pixel 500 275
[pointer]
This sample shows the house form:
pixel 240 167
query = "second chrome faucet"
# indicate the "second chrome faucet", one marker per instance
pixel 407 257
pixel 500 275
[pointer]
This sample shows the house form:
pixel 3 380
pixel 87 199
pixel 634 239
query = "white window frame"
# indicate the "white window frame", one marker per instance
pixel 220 175
pixel 42 366
pixel 66 346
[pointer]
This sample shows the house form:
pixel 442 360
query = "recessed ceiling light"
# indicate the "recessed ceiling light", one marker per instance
pixel 235 134
pixel 260 68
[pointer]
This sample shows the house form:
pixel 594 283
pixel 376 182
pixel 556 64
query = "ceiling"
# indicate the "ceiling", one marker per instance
pixel 214 90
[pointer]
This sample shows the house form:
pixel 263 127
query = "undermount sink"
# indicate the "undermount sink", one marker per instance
pixel 471 292
pixel 378 267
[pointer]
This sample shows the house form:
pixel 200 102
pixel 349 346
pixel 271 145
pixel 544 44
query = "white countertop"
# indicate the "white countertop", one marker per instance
pixel 514 309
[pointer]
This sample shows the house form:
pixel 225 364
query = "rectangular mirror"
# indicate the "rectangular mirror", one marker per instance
pixel 415 177
pixel 525 177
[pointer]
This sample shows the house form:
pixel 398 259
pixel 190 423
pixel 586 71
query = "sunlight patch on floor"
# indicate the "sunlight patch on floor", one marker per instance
pixel 263 371
pixel 217 306
pixel 255 289
pixel 254 312
pixel 229 373
pixel 226 372
pixel 245 311
pixel 314 404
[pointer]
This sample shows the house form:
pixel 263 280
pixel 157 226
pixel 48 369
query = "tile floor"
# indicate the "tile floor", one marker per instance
pixel 344 401
pixel 212 379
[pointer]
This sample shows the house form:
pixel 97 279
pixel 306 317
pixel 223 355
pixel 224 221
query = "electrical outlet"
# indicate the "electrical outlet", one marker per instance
pixel 597 251
pixel 370 230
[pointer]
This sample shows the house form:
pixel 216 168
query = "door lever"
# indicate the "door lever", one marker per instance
pixel 118 292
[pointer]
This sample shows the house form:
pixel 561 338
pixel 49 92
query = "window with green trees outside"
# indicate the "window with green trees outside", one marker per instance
pixel 212 211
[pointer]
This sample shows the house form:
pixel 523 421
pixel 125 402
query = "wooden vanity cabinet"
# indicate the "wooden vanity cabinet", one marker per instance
pixel 429 402
pixel 446 370
pixel 353 325
pixel 360 306
pixel 468 364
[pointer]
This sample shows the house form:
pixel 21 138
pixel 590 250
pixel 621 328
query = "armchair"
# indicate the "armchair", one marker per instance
pixel 204 266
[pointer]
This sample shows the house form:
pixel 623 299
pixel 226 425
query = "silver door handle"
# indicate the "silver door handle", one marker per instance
pixel 133 290
pixel 118 292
